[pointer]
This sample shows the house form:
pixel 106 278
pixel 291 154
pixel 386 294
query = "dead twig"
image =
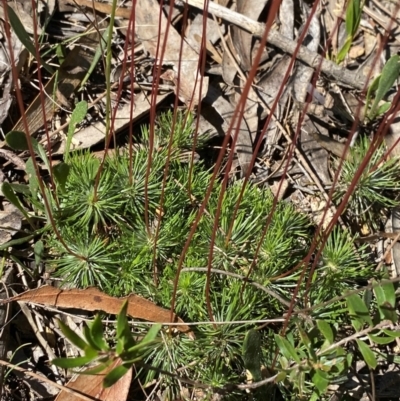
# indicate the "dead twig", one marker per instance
pixel 353 79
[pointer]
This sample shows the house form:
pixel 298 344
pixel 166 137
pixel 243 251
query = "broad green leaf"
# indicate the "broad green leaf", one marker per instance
pixel 61 172
pixel 388 312
pixel 284 362
pixel 392 333
pixel 251 353
pixel 16 140
pixel 98 368
pixel 138 350
pixel 89 338
pixel 386 300
pixel 38 148
pixel 33 180
pixel 71 363
pixel 281 376
pixel 151 334
pixel 79 112
pixel 383 109
pixel 367 297
pixel 344 50
pixel 133 358
pixel 371 89
pixel 20 188
pixel 320 379
pixel 116 374
pixel 9 193
pixel 286 348
pixel 60 53
pixel 368 355
pixel 385 292
pixel 97 335
pixel 124 335
pixel 390 73
pixel 17 241
pixel 122 321
pixel 304 337
pixel 353 16
pixel 38 250
pixel 99 51
pixel 72 336
pixel 381 340
pixel 24 37
pixel 358 311
pixel 120 347
pixel 326 363
pixel 326 330
pixel 77 117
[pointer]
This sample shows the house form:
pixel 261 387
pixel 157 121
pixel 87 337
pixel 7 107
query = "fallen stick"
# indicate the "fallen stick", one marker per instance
pixel 355 79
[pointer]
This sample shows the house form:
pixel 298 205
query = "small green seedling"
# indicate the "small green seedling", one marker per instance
pixel 380 86
pixel 353 18
pixel 77 117
pixel 100 355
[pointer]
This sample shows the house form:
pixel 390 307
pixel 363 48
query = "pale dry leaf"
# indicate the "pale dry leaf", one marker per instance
pixel 195 32
pixel 92 386
pixel 278 189
pixel 13 158
pixel 10 222
pixel 95 133
pixel 302 73
pixel 6 82
pixel 356 51
pixel 92 299
pixel 38 113
pixel 317 156
pixel 392 139
pixel 185 62
pixel 243 40
pixel 244 145
pixel 318 208
pixel 24 16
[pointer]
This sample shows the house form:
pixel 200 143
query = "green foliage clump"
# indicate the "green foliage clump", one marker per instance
pixel 377 188
pixel 122 225
pixel 341 266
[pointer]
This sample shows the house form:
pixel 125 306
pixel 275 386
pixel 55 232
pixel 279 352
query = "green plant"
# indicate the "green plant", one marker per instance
pixel 342 265
pixel 353 18
pixel 380 86
pixel 310 358
pixel 122 226
pixel 97 352
pixel 377 187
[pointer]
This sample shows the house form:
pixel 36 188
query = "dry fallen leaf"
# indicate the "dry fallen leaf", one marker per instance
pixel 94 133
pixel 10 222
pixel 151 29
pixel 92 299
pixel 93 386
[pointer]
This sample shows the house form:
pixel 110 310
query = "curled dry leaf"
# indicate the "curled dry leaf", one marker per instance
pixel 93 386
pixel 92 299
